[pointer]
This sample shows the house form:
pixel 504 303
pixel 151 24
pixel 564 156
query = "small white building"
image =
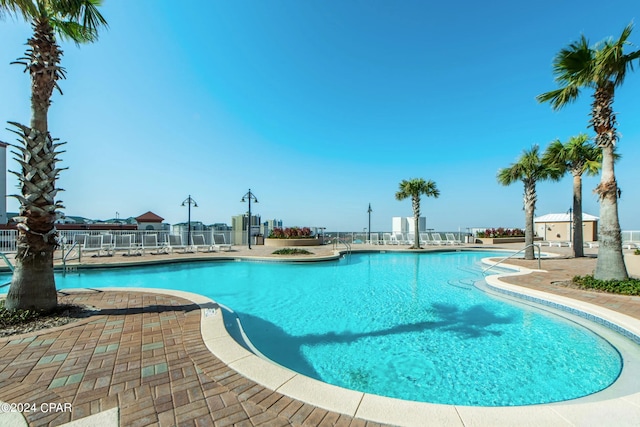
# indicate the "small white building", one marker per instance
pixel 558 227
pixel 405 224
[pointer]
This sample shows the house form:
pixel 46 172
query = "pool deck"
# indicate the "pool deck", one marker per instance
pixel 164 359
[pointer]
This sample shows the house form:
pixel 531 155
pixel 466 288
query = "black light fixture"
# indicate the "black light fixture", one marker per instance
pixel 189 201
pixel 248 197
pixel 369 212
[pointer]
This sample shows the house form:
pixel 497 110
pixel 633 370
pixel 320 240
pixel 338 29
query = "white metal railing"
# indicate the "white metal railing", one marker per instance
pixel 630 236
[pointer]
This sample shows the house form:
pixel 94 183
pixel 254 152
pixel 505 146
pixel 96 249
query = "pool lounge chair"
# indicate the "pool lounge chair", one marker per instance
pixel 93 244
pixel 437 240
pixel 199 243
pixel 388 239
pixel 375 239
pixel 150 243
pixel 220 243
pixel 411 238
pixel 175 243
pixel 124 242
pixel 424 239
pixel 593 244
pixel 399 238
pixel 451 239
pixel 631 245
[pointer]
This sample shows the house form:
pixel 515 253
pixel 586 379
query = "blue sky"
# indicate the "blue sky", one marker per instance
pixel 320 107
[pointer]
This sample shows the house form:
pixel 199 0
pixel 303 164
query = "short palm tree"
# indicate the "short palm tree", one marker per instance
pixel 32 285
pixel 602 68
pixel 529 169
pixel 577 156
pixel 414 188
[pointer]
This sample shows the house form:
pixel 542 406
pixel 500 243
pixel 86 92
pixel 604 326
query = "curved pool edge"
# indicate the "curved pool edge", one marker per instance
pixel 597 409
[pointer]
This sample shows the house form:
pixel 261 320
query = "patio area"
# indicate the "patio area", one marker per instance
pixel 141 360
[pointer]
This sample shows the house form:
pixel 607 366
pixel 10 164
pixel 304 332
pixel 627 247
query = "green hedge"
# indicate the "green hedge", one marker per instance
pixel 624 287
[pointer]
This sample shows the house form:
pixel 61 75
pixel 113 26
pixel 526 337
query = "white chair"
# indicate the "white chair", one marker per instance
pixel 451 239
pixel 93 244
pixel 124 242
pixel 150 242
pixel 199 243
pixel 437 240
pixel 425 240
pixel 375 239
pixel 175 243
pixel 411 238
pixel 220 243
pixel 399 238
pixel 388 239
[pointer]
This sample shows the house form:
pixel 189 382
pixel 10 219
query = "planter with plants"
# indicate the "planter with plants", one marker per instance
pixel 492 236
pixel 294 236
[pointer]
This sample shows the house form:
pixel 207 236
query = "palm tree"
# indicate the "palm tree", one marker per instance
pixel 577 156
pixel 602 68
pixel 414 188
pixel 32 285
pixel 529 169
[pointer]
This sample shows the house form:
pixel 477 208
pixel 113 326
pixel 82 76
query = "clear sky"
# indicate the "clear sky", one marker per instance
pixel 320 107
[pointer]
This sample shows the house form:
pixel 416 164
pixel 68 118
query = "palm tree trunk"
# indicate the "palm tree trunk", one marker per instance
pixel 529 209
pixel 578 238
pixel 415 201
pixel 33 286
pixel 610 264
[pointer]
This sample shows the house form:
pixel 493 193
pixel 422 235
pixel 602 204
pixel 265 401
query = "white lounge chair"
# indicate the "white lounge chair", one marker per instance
pixel 375 239
pixel 424 239
pixel 631 245
pixel 93 244
pixel 411 238
pixel 594 244
pixel 175 243
pixel 124 242
pixel 399 238
pixel 199 243
pixel 150 243
pixel 437 240
pixel 451 239
pixel 220 243
pixel 388 239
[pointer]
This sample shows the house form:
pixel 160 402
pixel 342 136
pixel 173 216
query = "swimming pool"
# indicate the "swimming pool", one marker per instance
pixel 403 325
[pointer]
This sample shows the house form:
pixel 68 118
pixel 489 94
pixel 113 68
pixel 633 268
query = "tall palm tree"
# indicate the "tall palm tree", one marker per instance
pixel 414 188
pixel 529 168
pixel 32 285
pixel 577 156
pixel 601 67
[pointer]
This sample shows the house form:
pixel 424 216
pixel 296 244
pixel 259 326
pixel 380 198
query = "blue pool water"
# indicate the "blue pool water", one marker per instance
pixel 410 326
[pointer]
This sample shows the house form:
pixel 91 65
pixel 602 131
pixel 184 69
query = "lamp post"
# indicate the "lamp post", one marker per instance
pixel 248 197
pixel 369 212
pixel 189 201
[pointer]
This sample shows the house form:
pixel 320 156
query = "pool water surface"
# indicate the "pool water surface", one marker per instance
pixel 404 325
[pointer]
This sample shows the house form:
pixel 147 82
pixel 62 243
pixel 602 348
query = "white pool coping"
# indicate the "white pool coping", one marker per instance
pixel 617 405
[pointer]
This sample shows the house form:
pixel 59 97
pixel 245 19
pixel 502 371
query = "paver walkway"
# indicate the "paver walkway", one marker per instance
pixel 143 353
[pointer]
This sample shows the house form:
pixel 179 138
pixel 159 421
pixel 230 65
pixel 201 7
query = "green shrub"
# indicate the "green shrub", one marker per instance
pixel 624 287
pixel 292 251
pixel 636 252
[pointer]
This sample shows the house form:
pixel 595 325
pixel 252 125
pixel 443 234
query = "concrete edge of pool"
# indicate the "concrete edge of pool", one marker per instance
pixel 617 405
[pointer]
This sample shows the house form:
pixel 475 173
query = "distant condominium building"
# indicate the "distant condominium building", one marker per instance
pixel 269 225
pixel 406 224
pixel 239 228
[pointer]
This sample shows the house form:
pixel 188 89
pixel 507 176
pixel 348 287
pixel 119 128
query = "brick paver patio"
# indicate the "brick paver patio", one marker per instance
pixel 143 353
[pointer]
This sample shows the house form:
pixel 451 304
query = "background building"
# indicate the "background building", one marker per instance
pixel 405 224
pixel 269 225
pixel 239 228
pixel 559 227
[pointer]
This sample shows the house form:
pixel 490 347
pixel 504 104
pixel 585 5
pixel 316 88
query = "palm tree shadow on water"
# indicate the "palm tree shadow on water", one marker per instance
pixel 276 344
